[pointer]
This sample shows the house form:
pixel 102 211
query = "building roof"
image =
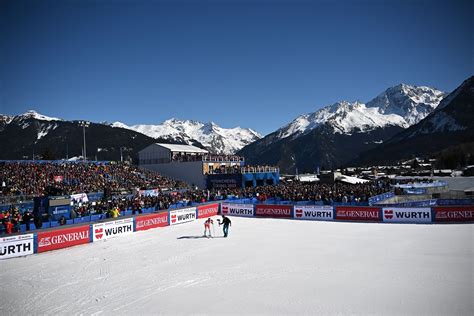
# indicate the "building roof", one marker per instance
pixel 351 180
pixel 183 148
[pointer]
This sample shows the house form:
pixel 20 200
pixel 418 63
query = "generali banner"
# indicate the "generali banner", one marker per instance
pixel 16 246
pixel 107 230
pixel 208 210
pixel 182 216
pixel 277 211
pixel 454 214
pixel 314 212
pixel 407 215
pixel 151 221
pixel 357 213
pixel 232 209
pixel 63 238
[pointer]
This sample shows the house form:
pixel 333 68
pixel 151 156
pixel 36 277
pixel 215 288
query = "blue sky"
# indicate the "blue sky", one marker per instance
pixel 256 64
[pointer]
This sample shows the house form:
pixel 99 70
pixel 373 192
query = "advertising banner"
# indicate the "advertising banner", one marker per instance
pixel 16 246
pixel 182 216
pixel 56 212
pixel 231 209
pixel 79 198
pixel 224 181
pixel 58 178
pixel 63 238
pixel 107 230
pixel 277 211
pixel 357 213
pixel 152 192
pixel 314 212
pixel 151 221
pixel 454 214
pixel 208 210
pixel 407 215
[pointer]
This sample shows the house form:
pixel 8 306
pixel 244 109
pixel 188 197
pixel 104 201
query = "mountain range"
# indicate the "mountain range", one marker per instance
pixel 213 137
pixel 450 125
pixel 401 122
pixel 33 133
pixel 336 134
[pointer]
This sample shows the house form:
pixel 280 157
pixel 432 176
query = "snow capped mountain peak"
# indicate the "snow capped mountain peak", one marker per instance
pixel 401 105
pixel 413 103
pixel 119 124
pixel 212 136
pixel 32 114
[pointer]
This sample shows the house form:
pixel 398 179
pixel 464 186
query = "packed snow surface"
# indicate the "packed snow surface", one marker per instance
pixel 265 266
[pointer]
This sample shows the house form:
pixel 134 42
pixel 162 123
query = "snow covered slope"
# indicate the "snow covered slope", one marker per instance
pixel 215 138
pixel 402 105
pixel 266 266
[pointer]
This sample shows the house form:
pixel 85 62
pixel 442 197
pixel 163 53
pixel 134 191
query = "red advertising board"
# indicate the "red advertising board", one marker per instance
pixel 208 210
pixel 151 221
pixel 278 211
pixel 62 238
pixel 454 214
pixel 358 213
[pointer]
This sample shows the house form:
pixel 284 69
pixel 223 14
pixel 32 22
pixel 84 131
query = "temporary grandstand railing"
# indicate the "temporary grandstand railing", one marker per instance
pixel 222 158
pixel 256 169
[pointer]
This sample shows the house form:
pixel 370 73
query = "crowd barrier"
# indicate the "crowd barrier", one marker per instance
pixel 64 236
pixel 40 241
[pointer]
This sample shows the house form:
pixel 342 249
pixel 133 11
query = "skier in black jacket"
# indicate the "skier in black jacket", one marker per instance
pixel 226 222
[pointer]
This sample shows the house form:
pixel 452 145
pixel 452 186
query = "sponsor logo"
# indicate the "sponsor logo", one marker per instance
pixel 414 215
pixel 274 210
pixel 406 215
pixel 388 214
pixel 99 233
pixel 182 215
pixel 225 209
pixel 118 230
pixel 352 213
pixel 185 217
pixel 63 238
pixel 152 221
pixel 314 212
pixel 358 214
pixel 454 214
pixel 16 246
pixel 15 249
pixel 208 210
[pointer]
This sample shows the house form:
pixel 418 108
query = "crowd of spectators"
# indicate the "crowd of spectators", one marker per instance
pixel 35 179
pixel 12 218
pixel 303 191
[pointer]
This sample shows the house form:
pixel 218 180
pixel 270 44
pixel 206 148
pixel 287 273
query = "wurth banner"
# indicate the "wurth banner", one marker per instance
pixel 454 214
pixel 314 212
pixel 107 230
pixel 208 210
pixel 16 246
pixel 63 238
pixel 182 216
pixel 357 213
pixel 231 209
pixel 277 211
pixel 151 221
pixel 407 215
